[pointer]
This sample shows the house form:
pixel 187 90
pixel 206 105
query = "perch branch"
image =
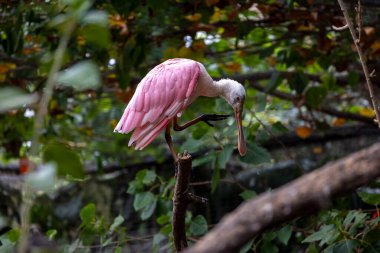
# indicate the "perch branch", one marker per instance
pixel 182 198
pixel 304 195
pixel 362 60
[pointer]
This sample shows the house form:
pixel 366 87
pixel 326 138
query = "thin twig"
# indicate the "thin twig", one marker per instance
pixel 27 198
pixel 359 19
pixel 362 61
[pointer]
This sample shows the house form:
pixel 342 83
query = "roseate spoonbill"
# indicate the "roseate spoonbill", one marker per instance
pixel 166 91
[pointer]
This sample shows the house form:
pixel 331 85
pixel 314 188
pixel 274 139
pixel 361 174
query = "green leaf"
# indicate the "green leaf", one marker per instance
pixel 97 35
pixel 11 98
pixel 327 233
pixel 215 179
pixel 208 158
pixel 278 128
pixel 147 177
pixel 118 249
pixel 148 211
pixel 51 234
pixel 246 247
pixel 328 80
pixel 298 82
pixel 163 219
pixel 353 78
pixel 315 96
pixel 143 199
pixel 145 202
pixel 223 156
pixel 198 225
pixel 67 161
pixel 261 102
pixel 369 198
pixel 284 234
pixel 248 194
pixel 256 154
pixel 269 236
pixel 13 235
pixel 274 82
pixel 116 222
pixel 81 76
pixel 158 238
pixel 268 247
pixel 88 214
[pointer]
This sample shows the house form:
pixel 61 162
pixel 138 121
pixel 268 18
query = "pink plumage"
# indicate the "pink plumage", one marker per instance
pixel 163 93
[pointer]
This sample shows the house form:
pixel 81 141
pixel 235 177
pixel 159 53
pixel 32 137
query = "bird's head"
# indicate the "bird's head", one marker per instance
pixel 235 95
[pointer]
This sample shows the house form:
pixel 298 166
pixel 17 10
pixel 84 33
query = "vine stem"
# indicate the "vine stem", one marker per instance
pixel 362 61
pixel 27 193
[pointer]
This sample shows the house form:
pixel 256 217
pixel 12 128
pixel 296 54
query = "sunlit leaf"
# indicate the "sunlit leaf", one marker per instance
pixel 43 179
pixel 368 112
pixel 13 235
pixel 117 222
pixel 369 198
pixel 81 76
pixel 96 17
pixel 11 98
pixel 88 213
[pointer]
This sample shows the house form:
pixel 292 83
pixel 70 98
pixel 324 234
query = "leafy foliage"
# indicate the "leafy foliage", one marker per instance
pixel 301 78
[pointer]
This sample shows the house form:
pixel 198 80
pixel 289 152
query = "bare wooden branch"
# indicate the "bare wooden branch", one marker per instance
pixel 182 198
pixel 362 61
pixel 322 108
pixel 304 195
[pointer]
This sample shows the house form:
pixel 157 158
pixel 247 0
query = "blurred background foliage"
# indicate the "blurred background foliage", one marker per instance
pixel 306 105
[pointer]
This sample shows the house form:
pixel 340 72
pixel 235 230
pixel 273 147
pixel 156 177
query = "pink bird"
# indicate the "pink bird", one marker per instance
pixel 166 91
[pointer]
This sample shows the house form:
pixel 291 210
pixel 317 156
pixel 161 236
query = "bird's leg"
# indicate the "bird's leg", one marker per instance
pixel 170 143
pixel 205 118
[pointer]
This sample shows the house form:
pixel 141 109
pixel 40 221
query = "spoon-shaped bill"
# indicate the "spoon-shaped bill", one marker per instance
pixel 242 146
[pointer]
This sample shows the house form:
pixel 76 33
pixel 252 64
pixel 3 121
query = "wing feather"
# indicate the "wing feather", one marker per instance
pixel 161 95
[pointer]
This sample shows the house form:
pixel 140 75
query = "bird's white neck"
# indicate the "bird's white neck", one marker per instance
pixel 215 88
pixel 207 87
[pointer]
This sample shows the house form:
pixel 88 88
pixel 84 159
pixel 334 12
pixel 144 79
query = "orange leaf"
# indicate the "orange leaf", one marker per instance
pixel 198 46
pixel 117 21
pixel 338 122
pixel 233 67
pixel 194 17
pixel 81 40
pixel 317 150
pixel 211 2
pixel 303 132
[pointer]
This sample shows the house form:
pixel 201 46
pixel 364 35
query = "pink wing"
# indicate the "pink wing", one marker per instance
pixel 161 95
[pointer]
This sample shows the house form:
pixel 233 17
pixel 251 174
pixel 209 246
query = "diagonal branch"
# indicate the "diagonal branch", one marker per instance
pixel 362 61
pixel 306 194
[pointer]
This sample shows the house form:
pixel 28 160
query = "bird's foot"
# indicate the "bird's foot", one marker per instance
pixel 213 117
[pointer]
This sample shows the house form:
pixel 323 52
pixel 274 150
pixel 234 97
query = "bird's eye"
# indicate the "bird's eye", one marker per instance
pixel 237 99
